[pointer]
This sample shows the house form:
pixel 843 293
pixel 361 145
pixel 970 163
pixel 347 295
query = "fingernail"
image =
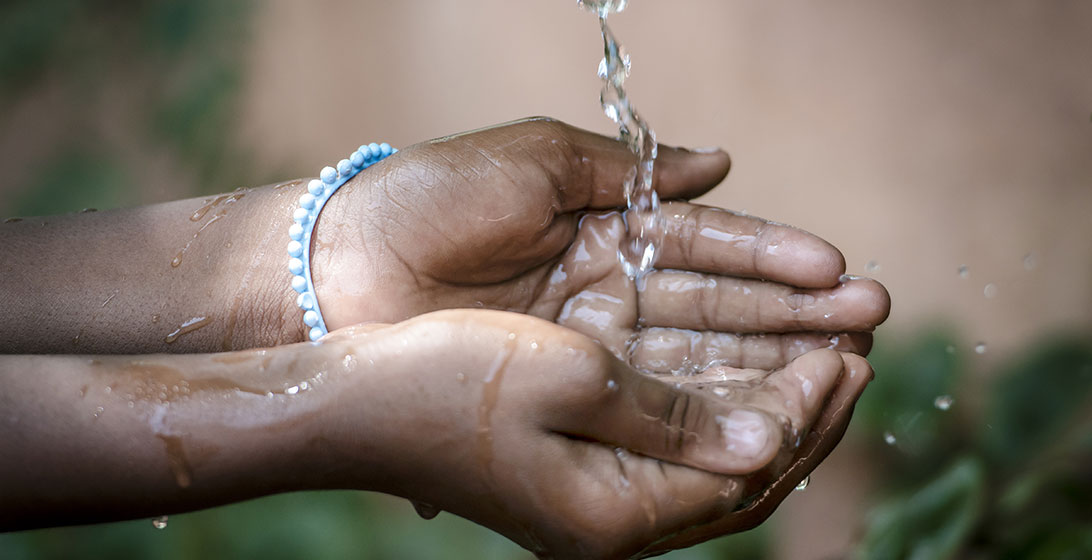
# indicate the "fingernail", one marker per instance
pixel 745 432
pixel 705 150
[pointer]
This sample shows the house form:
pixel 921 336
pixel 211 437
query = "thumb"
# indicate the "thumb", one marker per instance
pixel 688 426
pixel 587 170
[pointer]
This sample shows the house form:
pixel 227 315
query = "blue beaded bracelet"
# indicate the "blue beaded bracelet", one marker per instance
pixel 299 248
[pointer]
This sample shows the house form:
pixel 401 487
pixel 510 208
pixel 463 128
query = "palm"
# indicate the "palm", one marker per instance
pixel 524 218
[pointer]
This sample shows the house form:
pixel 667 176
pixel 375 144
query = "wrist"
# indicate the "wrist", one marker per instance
pixel 259 305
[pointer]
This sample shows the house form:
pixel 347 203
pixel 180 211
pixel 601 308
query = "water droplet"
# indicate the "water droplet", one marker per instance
pixel 872 267
pixel 88 210
pixel 804 483
pixel 612 385
pixel 943 402
pixel 889 438
pixel 720 391
pixel 534 345
pixel 964 271
pixel 426 511
pixel 160 522
pixel 511 336
pixel 460 377
pixel 980 348
pixel 1029 261
pixel 187 327
pixel 292 390
pixel 990 291
pixel 98 411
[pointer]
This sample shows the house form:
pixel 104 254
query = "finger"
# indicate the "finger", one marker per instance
pixel 589 170
pixel 678 425
pixel 706 239
pixel 631 499
pixel 820 441
pixel 690 300
pixel 684 352
pixel 796 393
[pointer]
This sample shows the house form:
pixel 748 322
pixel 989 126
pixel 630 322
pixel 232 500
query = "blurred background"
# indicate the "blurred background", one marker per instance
pixel 945 147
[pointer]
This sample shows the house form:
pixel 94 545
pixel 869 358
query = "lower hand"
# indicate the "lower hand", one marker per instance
pixel 541 434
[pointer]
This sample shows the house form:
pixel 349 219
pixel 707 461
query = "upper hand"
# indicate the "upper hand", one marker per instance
pixel 525 217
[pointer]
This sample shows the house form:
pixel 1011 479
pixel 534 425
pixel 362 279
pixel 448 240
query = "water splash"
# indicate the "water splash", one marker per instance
pixel 643 220
pixel 889 438
pixel 943 402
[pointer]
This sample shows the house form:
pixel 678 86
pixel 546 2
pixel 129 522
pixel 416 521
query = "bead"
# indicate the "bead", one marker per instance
pixel 299 283
pixel 318 192
pixel 328 175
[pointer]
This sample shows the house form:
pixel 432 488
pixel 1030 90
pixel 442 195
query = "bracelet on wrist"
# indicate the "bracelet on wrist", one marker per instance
pixel 304 218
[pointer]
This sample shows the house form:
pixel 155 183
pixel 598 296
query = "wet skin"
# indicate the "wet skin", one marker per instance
pixel 519 424
pixel 520 217
pixel 524 217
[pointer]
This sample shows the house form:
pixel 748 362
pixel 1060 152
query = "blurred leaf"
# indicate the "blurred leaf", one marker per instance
pixel 932 522
pixel 31 34
pixel 900 399
pixel 1037 401
pixel 1066 543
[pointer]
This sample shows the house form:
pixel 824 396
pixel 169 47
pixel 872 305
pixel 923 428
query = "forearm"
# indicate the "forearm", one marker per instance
pixel 197 275
pixel 98 439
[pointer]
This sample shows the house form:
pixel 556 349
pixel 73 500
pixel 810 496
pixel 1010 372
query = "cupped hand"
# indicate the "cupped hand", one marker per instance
pixel 526 217
pixel 539 433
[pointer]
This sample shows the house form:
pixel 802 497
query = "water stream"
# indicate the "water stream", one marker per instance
pixel 643 220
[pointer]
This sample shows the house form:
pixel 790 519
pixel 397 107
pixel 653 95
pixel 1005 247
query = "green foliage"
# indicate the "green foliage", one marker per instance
pixel 78 179
pixel 307 525
pixel 1017 482
pixel 931 522
pixel 899 403
pixel 179 65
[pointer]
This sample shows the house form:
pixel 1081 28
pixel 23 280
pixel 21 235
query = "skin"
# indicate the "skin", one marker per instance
pixel 482 219
pixel 522 218
pixel 531 429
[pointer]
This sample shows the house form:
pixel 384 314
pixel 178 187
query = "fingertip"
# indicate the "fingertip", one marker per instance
pixel 818 372
pixel 750 440
pixel 798 258
pixel 686 174
pixel 857 369
pixel 869 300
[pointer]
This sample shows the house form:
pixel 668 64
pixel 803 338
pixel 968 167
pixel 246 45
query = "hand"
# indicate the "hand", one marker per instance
pixel 524 217
pixel 539 433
